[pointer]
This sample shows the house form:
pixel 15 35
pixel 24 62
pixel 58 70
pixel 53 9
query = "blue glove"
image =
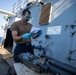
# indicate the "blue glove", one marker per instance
pixel 39 32
pixel 26 36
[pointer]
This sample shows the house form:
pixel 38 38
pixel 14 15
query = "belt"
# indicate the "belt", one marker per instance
pixel 27 43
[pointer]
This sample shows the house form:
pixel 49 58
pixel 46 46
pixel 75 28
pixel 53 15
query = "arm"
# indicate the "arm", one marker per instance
pixel 14 30
pixel 18 38
pixel 15 37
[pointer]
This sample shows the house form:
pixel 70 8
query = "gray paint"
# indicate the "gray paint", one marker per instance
pixel 63 14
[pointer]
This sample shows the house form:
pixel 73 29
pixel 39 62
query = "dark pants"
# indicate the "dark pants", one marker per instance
pixel 22 48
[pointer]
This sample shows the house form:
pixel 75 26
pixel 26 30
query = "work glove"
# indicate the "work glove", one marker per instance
pixel 39 32
pixel 35 35
pixel 26 36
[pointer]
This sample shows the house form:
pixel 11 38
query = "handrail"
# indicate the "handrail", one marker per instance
pixel 17 5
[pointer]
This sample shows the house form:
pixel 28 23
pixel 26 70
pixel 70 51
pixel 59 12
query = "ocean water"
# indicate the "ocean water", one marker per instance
pixel 0 39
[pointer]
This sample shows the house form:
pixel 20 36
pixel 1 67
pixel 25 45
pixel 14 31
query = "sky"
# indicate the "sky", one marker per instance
pixel 5 5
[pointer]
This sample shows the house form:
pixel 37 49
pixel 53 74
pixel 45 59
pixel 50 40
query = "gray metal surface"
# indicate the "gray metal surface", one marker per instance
pixel 63 14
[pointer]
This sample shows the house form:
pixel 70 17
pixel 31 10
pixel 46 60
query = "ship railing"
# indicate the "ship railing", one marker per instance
pixel 18 5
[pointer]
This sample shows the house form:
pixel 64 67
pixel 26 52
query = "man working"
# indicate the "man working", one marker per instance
pixel 22 36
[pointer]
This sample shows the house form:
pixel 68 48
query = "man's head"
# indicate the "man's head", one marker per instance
pixel 26 15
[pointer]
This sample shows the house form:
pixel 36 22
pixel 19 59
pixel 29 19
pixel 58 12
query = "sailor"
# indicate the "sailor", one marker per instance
pixel 22 31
